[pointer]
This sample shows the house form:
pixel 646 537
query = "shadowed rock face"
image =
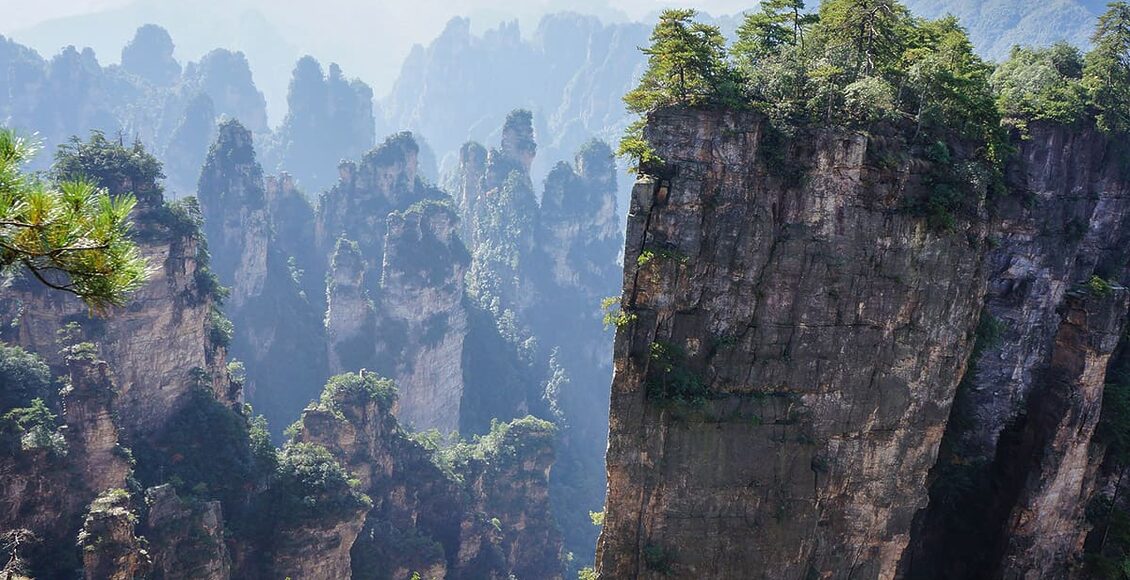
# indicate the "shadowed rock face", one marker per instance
pixel 1019 462
pixel 779 399
pixel 186 538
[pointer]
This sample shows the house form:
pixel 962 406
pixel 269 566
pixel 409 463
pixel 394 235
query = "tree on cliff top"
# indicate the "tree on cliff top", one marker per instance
pixel 71 236
pixel 778 24
pixel 1107 71
pixel 686 65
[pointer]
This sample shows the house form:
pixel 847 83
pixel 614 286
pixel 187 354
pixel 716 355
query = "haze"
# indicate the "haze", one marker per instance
pixel 368 39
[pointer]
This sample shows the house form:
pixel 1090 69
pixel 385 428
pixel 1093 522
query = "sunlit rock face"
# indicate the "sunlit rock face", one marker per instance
pixel 782 388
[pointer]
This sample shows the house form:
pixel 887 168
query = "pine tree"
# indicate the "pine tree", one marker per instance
pixel 71 236
pixel 867 33
pixel 779 23
pixel 1107 71
pixel 687 65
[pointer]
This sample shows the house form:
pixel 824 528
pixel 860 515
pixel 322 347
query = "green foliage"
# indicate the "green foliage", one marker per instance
pixel 687 65
pixel 357 387
pixel 1041 84
pixel 311 484
pixel 670 381
pixel 614 315
pixel 634 147
pixel 1098 286
pixel 71 236
pixel 509 441
pixel 220 329
pixel 597 518
pixel 586 573
pixel 24 376
pixel 648 255
pixel 506 442
pixel 869 100
pixel 208 450
pixel 1106 74
pixel 35 427
pixel 764 34
pixel 114 166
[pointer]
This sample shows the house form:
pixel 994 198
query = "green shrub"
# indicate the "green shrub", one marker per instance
pixel 614 315
pixel 311 484
pixel 353 387
pixel 669 378
pixel 35 427
pixel 24 376
pixel 1098 286
pixel 220 329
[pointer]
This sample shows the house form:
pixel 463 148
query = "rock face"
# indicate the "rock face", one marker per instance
pixel 186 538
pixel 159 344
pixel 234 205
pixel 1046 528
pixel 423 322
pixel 782 388
pixel 47 489
pixel 318 552
pixel 1019 443
pixel 92 436
pixel 110 549
pixel 130 375
pixel 280 338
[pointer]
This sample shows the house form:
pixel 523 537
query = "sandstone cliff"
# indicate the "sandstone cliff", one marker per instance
pixel 791 350
pixel 159 346
pixel 395 301
pixel 280 337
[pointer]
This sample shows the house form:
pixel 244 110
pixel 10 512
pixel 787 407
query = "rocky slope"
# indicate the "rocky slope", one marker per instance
pixel 792 349
pixel 203 493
